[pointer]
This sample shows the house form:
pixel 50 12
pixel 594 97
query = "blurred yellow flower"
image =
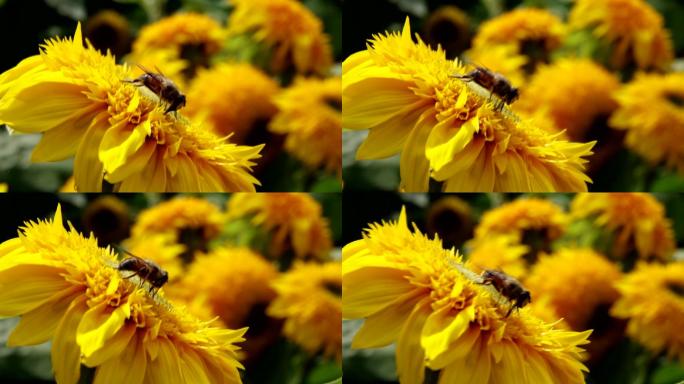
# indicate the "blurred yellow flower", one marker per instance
pixel 191 37
pixel 499 252
pixel 108 30
pixel 578 283
pixel 294 221
pixel 293 33
pixel 636 220
pixel 652 300
pixel 449 27
pixel 67 289
pixel 119 133
pixel 633 29
pixel 446 128
pixel 232 99
pixel 651 108
pixel 413 292
pixel 108 219
pixel 309 298
pixel 192 221
pixel 572 93
pixel 310 114
pixel 526 219
pixel 534 32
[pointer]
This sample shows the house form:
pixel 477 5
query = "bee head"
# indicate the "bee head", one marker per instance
pixel 514 94
pixel 181 101
pixel 162 279
pixel 524 299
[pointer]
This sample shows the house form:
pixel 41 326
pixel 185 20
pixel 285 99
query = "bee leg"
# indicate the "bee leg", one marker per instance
pixel 129 276
pixel 510 309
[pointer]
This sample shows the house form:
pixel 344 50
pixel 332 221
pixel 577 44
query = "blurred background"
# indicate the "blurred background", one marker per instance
pixel 241 65
pixel 606 70
pixel 238 258
pixel 571 252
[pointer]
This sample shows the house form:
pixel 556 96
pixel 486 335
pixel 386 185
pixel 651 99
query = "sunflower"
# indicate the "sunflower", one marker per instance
pixel 451 219
pixel 652 300
pixel 119 133
pixel 309 298
pixel 534 32
pixel 293 33
pixel 632 28
pixel 533 222
pixel 445 127
pixel 67 289
pixel 108 219
pixel 310 114
pixel 575 94
pixel 235 285
pixel 413 292
pixel 294 221
pixel 192 37
pixel 193 222
pixel 499 252
pixel 583 281
pixel 651 108
pixel 636 220
pixel 233 99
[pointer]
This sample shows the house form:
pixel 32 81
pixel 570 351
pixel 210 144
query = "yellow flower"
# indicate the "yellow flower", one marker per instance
pixel 413 292
pixel 232 99
pixel 192 37
pixel 650 108
pixel 446 128
pixel 632 28
pixel 652 299
pixel 107 218
pixel 68 290
pixel 572 93
pixel 534 32
pixel 108 30
pixel 294 221
pixel 451 219
pixel 310 114
pixel 501 58
pixel 309 299
pixel 499 251
pixel 636 220
pixel 538 220
pixel 578 282
pixel 293 33
pixel 235 285
pixel 119 133
pixel 192 222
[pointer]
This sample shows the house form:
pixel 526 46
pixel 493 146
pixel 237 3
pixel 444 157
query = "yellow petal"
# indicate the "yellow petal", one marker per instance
pixel 475 368
pixel 445 141
pixel 127 367
pixel 461 161
pixel 26 287
pixel 442 328
pixel 374 289
pixel 88 171
pixel 114 346
pixel 119 143
pixel 413 165
pixel 187 176
pixel 166 367
pixel 66 356
pixel 387 138
pixel 410 355
pixel 41 102
pixel 99 324
pixel 193 368
pixel 384 326
pixel 38 326
pixel 374 101
pixel 152 178
pixel 62 141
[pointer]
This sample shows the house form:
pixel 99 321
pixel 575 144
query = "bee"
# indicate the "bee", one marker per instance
pixel 146 270
pixel 508 287
pixel 162 86
pixel 494 82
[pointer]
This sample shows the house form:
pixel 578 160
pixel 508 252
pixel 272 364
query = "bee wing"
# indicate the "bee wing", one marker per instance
pixel 159 71
pixel 143 68
pixel 123 250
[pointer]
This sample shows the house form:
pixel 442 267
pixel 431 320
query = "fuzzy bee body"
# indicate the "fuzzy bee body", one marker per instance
pixel 146 270
pixel 161 86
pixel 508 287
pixel 494 82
